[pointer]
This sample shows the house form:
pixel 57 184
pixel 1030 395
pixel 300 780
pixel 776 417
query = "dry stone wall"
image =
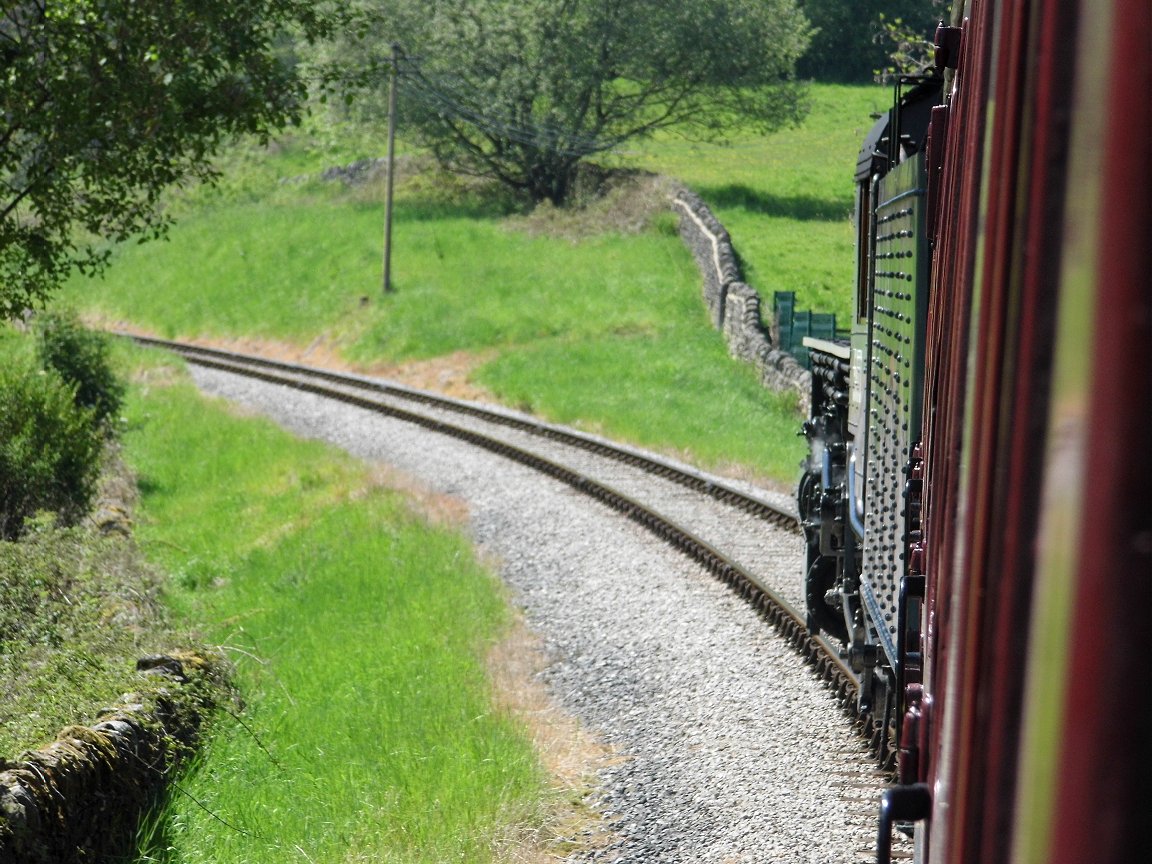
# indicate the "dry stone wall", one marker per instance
pixel 733 305
pixel 81 798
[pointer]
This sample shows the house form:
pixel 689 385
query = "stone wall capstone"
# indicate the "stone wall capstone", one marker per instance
pixel 733 305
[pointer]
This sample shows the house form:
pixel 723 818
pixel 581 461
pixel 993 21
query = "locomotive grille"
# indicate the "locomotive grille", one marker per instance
pixel 894 374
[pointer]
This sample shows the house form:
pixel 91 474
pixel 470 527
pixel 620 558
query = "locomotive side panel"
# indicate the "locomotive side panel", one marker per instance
pixel 894 372
pixel 852 496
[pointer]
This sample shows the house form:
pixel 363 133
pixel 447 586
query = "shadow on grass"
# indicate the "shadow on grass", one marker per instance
pixel 430 210
pixel 454 200
pixel 801 207
pixel 147 486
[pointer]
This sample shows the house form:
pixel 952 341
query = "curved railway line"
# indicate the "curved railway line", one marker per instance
pixel 665 498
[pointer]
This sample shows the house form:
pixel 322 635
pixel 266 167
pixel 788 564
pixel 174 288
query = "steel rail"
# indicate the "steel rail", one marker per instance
pixel 687 479
pixel 822 655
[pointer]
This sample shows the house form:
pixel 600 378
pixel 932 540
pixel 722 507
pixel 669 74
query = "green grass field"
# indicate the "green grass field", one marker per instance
pixel 786 199
pixel 270 255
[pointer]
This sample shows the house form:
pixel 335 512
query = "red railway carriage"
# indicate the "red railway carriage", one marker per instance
pixel 1037 532
pixel 994 607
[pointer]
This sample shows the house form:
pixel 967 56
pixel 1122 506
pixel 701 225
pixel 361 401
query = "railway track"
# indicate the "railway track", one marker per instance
pixel 735 533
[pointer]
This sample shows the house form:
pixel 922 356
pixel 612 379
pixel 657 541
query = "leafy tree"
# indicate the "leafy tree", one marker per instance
pixel 106 103
pixel 852 40
pixel 524 90
pixel 909 43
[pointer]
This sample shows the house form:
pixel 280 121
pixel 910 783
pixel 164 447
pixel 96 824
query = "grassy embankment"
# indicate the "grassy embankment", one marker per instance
pixel 359 632
pixel 75 609
pixel 550 317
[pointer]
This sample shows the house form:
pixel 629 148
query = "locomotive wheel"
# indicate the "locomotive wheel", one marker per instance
pixel 822 617
pixel 821 570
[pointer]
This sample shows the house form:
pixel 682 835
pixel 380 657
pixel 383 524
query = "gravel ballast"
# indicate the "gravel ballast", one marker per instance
pixel 731 750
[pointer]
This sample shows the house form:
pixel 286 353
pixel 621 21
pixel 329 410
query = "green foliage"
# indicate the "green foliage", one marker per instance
pixel 49 449
pixel 910 45
pixel 76 610
pixel 523 92
pixel 54 420
pixel 852 38
pixel 81 357
pixel 104 104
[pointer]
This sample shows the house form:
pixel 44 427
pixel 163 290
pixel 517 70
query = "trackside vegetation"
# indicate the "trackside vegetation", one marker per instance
pixel 324 588
pixel 58 408
pixel 359 635
pixel 78 605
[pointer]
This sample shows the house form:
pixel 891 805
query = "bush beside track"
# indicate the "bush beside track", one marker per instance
pixel 79 614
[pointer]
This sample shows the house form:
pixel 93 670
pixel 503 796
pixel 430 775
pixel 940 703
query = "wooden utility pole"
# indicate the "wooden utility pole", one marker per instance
pixel 391 170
